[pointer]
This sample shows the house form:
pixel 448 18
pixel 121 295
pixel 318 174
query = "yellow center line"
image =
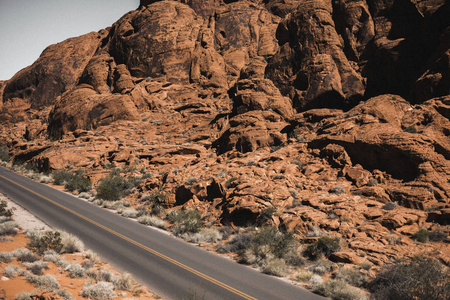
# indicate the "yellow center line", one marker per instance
pixel 154 252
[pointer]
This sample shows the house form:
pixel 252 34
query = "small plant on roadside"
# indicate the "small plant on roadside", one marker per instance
pixel 323 246
pixel 419 278
pixel 5 211
pixel 339 290
pixel 4 153
pixel 186 221
pixel 112 188
pixel 101 290
pixel 152 221
pixel 43 241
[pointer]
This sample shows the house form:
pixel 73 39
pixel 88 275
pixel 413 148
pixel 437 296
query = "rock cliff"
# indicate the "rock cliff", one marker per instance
pixel 324 111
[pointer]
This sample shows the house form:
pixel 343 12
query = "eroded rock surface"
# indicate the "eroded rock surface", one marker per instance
pixel 307 115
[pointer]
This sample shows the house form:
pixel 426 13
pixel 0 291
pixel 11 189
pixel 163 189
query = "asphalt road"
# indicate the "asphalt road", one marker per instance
pixel 170 267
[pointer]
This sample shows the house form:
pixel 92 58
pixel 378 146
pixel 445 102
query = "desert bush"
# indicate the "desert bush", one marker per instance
pixel 236 244
pixel 50 255
pixel 124 282
pixel 78 182
pixel 321 267
pixel 9 227
pixel 270 244
pixel 152 221
pixel 130 213
pixel 5 211
pixel 61 177
pixel 25 255
pixel 37 267
pixel 106 275
pixel 420 278
pixel 315 280
pixel 23 296
pixel 4 153
pixel 323 246
pixel 11 271
pixel 281 244
pixel 304 275
pixel 339 290
pixel 63 293
pixel 422 235
pixel 73 181
pixel 47 282
pixel 61 262
pixel 6 257
pixel 276 266
pixel 156 198
pixel 70 243
pixel 352 276
pixel 43 241
pixel 101 290
pixel 186 221
pixel 112 188
pixel 76 271
pixel 206 235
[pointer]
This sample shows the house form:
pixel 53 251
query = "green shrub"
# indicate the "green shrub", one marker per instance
pixel 420 278
pixel 76 181
pixel 5 211
pixel 323 246
pixel 112 188
pixel 4 153
pixel 410 129
pixel 269 244
pixel 236 244
pixel 43 241
pixel 61 177
pixel 186 221
pixel 422 235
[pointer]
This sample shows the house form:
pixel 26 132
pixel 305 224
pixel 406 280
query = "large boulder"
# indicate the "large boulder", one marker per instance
pixel 56 70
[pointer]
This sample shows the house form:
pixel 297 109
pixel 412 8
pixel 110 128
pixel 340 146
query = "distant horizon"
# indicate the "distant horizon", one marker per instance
pixel 29 27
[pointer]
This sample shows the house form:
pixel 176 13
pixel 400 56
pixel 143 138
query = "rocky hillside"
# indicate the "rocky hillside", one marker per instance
pixel 309 114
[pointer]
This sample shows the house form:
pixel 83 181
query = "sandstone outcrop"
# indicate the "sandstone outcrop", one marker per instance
pixel 320 117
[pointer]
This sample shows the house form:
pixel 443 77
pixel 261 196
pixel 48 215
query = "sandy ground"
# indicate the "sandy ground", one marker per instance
pixel 10 287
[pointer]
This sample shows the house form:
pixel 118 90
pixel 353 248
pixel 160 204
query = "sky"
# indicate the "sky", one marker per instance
pixel 27 27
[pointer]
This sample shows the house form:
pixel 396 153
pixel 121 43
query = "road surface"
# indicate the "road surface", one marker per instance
pixel 169 267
